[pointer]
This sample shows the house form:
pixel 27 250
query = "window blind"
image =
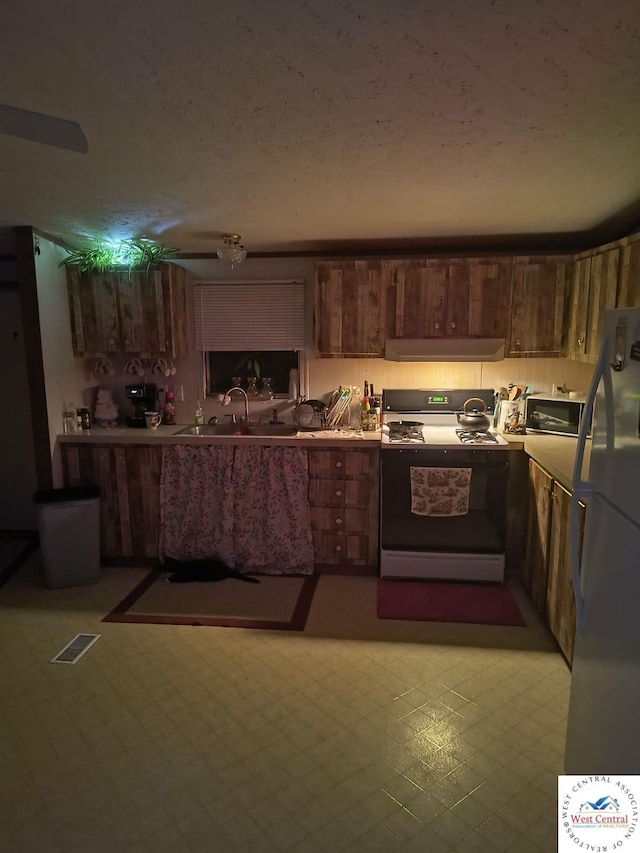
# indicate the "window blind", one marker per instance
pixel 267 315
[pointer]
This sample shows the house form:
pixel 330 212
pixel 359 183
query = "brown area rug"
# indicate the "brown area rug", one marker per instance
pixel 278 602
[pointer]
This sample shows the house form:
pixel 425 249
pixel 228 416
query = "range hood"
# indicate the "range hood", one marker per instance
pixel 444 349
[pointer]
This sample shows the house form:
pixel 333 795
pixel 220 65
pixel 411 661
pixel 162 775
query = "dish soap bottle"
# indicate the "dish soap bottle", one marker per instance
pixel 199 416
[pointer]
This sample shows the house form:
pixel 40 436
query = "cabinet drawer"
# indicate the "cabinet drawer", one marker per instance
pixel 339 520
pixel 332 548
pixel 351 493
pixel 341 464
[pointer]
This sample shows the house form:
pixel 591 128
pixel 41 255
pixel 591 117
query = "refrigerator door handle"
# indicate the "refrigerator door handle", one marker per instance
pixel 601 372
pixel 584 488
pixel 574 550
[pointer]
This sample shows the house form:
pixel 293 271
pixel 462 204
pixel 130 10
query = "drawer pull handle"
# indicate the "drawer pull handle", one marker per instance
pixel 338 464
pixel 338 547
pixel 338 492
pixel 338 521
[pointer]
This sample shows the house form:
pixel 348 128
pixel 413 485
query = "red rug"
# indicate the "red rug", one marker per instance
pixel 434 601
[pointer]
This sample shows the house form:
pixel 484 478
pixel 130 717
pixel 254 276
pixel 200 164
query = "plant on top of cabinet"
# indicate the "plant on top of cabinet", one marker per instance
pixel 103 255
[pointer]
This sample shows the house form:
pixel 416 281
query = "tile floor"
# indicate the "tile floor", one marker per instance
pixel 356 735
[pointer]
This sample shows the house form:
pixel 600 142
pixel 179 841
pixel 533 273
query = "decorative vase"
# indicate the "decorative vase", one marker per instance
pixel 252 387
pixel 267 388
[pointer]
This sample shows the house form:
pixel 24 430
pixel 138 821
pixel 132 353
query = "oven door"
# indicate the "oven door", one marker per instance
pixel 479 534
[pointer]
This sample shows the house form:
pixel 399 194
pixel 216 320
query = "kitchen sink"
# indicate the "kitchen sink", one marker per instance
pixel 239 429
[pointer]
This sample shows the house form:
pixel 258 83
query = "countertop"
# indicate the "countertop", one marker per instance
pixel 555 453
pixel 166 435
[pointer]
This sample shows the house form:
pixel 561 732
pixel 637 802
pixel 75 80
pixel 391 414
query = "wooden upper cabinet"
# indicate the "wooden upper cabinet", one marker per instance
pixel 628 295
pixel 349 309
pixel 538 294
pixel 478 297
pixel 128 312
pixel 93 304
pixel 417 299
pixel 576 337
pixel 466 297
pixel 594 288
pixel 603 287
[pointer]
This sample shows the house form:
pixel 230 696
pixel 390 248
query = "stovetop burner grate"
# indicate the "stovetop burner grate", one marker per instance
pixel 476 436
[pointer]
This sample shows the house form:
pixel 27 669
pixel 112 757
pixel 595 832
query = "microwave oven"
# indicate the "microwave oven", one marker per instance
pixel 559 415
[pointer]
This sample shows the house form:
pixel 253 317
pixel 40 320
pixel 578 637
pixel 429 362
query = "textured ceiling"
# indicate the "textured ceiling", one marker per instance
pixel 321 125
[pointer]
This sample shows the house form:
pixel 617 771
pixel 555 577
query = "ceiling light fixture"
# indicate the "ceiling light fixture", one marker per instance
pixel 232 252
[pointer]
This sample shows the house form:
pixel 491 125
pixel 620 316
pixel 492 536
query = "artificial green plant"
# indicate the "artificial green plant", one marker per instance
pixel 103 256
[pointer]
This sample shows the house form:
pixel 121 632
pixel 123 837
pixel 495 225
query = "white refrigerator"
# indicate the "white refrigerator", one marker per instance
pixel 603 730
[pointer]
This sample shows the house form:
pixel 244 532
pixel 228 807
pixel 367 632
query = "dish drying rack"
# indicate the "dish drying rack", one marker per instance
pixel 338 405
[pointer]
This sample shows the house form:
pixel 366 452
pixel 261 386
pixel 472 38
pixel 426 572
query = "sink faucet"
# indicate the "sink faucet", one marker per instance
pixel 227 400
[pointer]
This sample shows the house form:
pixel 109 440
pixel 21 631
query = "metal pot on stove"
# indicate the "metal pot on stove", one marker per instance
pixel 473 418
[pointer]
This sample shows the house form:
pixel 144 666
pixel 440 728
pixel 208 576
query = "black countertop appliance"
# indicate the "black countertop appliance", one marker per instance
pixel 143 399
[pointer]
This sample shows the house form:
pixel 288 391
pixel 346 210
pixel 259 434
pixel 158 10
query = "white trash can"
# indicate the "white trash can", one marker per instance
pixel 69 529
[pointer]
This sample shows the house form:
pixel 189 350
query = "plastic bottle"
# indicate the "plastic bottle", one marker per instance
pixel 69 419
pixel 293 384
pixel 199 416
pixel 365 408
pixel 169 409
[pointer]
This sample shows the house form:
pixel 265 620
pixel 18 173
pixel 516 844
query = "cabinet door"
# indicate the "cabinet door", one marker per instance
pixel 129 482
pixel 152 310
pixel 560 605
pixel 419 310
pixel 603 286
pixel 141 311
pixel 576 337
pixel 338 493
pixel 341 550
pixel 93 305
pixel 349 309
pixel 343 464
pixel 538 292
pixel 629 278
pixel 344 498
pixel 478 297
pixel 130 312
pixel 176 343
pixel 537 535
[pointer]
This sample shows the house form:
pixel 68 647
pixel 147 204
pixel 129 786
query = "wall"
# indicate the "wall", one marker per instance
pixel 17 457
pixel 540 373
pixel 64 375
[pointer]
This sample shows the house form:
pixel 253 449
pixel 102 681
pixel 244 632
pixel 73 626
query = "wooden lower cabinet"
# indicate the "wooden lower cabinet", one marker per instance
pixel 343 493
pixel 129 480
pixel 547 572
pixel 536 561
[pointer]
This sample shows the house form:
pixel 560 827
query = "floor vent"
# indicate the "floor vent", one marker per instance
pixel 75 649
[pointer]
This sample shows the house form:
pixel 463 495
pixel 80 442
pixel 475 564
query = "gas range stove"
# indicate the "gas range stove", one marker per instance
pixel 429 419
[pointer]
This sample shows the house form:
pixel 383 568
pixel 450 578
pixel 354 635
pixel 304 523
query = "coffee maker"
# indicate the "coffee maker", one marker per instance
pixel 143 399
